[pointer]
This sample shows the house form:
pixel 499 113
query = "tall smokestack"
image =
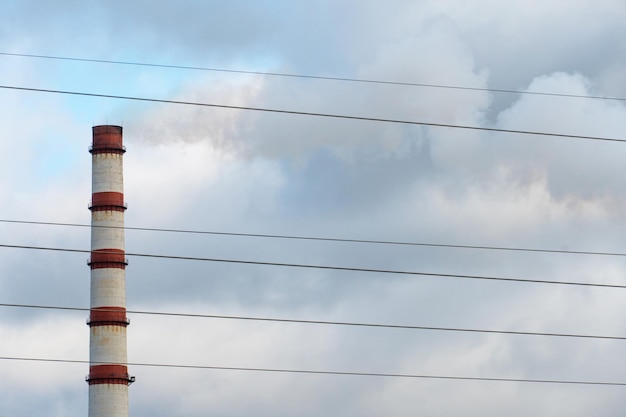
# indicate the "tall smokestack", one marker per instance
pixel 108 374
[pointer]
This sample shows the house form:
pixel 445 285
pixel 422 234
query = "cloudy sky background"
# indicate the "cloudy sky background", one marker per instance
pixel 224 170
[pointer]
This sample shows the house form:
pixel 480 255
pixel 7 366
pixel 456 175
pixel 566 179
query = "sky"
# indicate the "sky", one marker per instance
pixel 249 172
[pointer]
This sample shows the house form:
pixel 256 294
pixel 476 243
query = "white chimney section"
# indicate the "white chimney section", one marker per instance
pixel 108 374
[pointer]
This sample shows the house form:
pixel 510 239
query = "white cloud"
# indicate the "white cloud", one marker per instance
pixel 225 170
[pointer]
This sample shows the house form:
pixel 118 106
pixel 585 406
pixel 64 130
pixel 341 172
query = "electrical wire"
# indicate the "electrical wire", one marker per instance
pixel 326 267
pixel 312 114
pixel 320 372
pixel 322 322
pixel 315 77
pixel 323 239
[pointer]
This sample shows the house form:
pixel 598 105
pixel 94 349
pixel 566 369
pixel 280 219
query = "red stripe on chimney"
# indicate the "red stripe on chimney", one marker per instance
pixel 108 316
pixel 108 258
pixel 109 374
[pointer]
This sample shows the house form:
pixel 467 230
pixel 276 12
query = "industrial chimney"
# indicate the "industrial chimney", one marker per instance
pixel 108 373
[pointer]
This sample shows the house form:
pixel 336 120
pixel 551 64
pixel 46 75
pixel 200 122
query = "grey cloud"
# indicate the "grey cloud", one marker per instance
pixel 193 168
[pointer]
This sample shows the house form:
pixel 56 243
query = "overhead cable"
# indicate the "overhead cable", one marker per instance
pixel 324 239
pixel 315 77
pixel 322 372
pixel 322 322
pixel 326 267
pixel 313 114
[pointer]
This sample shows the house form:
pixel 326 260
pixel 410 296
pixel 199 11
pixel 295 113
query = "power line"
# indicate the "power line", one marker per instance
pixel 335 268
pixel 315 77
pixel 320 372
pixel 313 114
pixel 325 322
pixel 324 239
